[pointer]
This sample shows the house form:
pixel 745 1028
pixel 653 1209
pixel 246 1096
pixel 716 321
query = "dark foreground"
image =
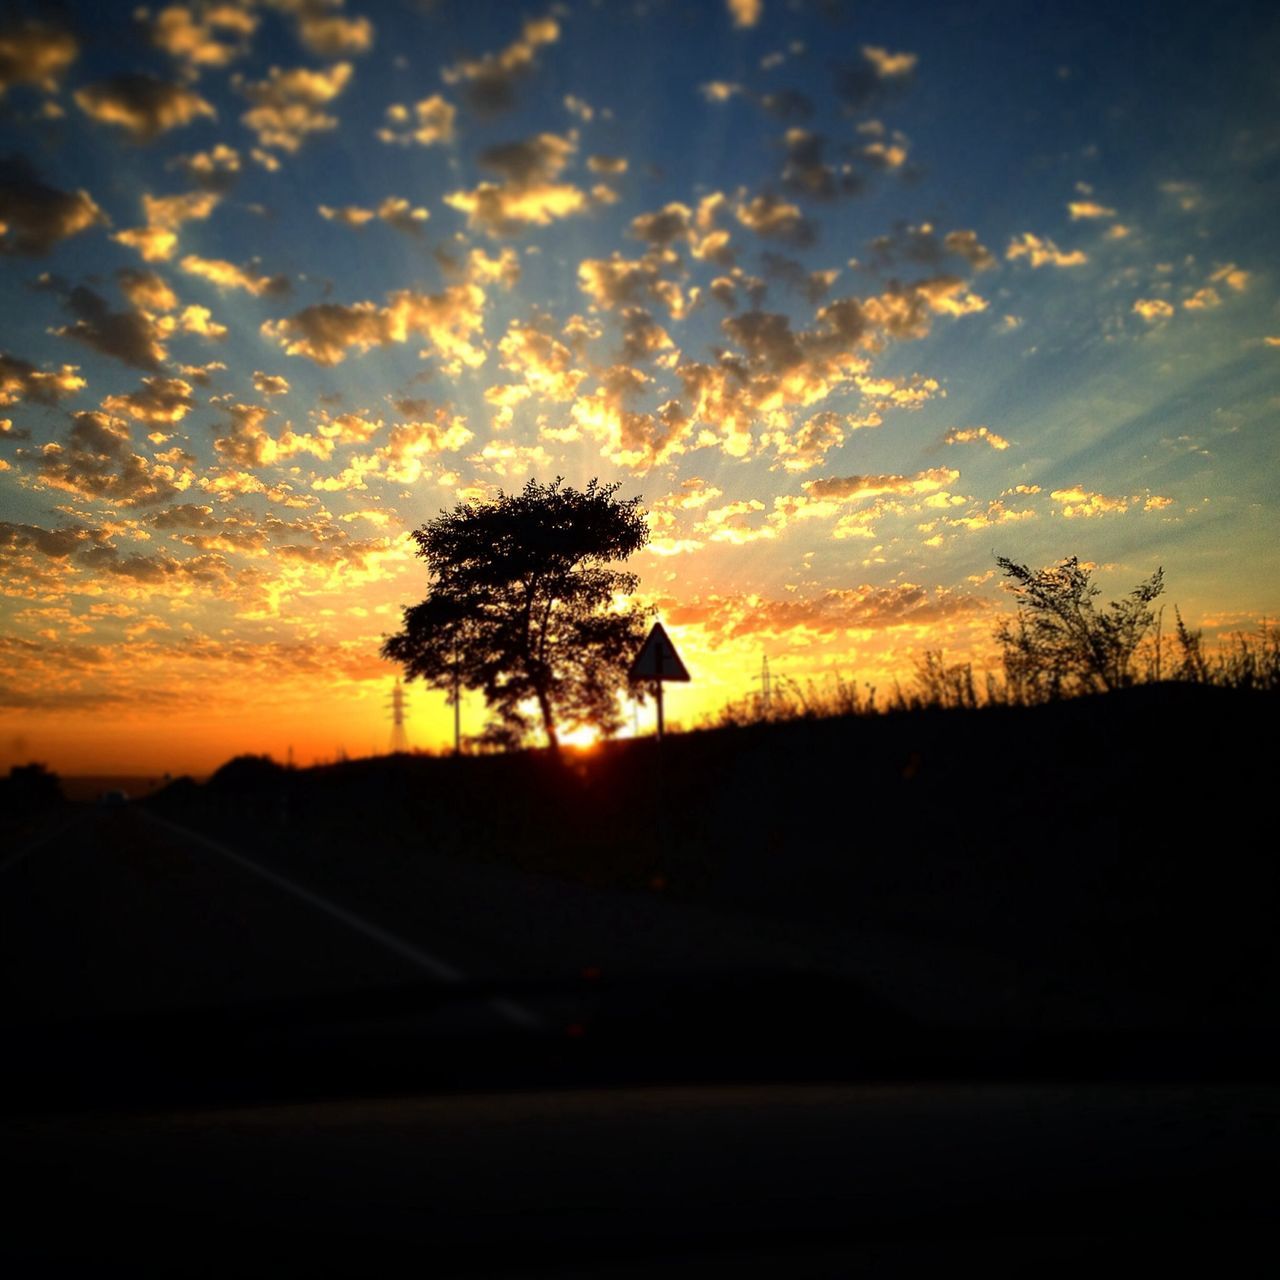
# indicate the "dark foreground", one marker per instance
pixel 799 999
pixel 1105 862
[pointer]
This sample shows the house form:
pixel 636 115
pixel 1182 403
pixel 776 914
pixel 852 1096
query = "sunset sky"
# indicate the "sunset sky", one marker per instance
pixel 856 297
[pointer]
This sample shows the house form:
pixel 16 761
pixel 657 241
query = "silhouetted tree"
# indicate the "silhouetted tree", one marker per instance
pixel 524 606
pixel 1059 643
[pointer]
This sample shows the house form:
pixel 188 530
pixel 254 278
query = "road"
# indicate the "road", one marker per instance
pixel 118 913
pixel 122 911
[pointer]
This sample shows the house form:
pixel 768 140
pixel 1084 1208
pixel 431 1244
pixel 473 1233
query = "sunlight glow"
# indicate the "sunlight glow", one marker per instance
pixel 851 304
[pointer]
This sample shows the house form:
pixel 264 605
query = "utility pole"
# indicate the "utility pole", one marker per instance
pixel 457 704
pixel 766 689
pixel 399 738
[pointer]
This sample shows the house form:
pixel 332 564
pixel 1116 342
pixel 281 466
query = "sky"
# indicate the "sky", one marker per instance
pixel 856 297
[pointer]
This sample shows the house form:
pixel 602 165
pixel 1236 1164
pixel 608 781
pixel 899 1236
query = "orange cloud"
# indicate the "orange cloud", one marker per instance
pixel 429 122
pixel 213 38
pixel 37 54
pixel 157 241
pixel 448 321
pixel 226 275
pixel 1153 309
pixel 34 217
pixel 967 435
pixel 489 82
pixel 288 106
pixel 157 400
pixel 1043 252
pixel 22 381
pixel 395 211
pixel 141 105
pixel 530 193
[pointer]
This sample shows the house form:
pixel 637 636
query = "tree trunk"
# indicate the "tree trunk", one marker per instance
pixel 548 721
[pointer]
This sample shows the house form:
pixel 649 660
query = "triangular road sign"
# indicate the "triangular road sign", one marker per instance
pixel 658 659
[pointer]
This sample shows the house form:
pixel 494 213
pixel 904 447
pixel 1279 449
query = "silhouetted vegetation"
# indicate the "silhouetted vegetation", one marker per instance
pixel 1058 645
pixel 522 606
pixel 247 772
pixel 29 789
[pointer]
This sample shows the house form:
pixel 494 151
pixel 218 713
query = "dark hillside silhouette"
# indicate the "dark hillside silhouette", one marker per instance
pixel 1105 844
pixel 29 789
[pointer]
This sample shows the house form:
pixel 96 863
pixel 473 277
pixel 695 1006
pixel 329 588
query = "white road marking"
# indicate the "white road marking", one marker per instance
pixel 424 960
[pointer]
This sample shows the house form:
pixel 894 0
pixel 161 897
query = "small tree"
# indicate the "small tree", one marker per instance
pixel 1059 643
pixel 524 605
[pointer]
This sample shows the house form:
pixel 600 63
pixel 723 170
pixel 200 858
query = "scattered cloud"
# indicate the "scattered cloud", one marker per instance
pixel 970 435
pixel 1153 309
pixel 837 613
pixel 610 166
pixel 618 281
pixel 34 217
pixel 861 85
pixel 132 337
pixel 328 34
pixel 857 487
pixel 429 122
pixel 157 400
pixel 1187 195
pixel 226 275
pixel 395 211
pixel 890 66
pixel 143 106
pixel 136 337
pixel 1232 276
pixel 35 54
pixel 923 245
pixel 97 461
pixel 208 39
pixel 488 83
pixel 1203 300
pixel 214 170
pixel 270 384
pixel 720 90
pixel 157 241
pixel 1043 252
pixel 1088 209
pixel 530 193
pixel 288 106
pixel 21 381
pixel 449 322
pixel 776 219
pixel 1080 503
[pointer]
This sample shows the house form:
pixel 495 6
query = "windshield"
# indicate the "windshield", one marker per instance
pixel 517 499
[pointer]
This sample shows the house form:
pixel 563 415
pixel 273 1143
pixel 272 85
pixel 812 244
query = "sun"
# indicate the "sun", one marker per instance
pixel 582 737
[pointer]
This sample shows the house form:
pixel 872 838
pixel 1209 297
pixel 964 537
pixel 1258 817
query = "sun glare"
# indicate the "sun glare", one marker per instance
pixel 585 737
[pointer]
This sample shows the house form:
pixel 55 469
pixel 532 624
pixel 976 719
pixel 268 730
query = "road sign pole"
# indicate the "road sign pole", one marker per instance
pixel 656 663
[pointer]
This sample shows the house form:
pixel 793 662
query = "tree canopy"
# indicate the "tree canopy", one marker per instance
pixel 1059 642
pixel 525 604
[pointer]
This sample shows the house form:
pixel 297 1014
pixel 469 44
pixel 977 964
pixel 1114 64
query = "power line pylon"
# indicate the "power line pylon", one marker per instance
pixel 399 738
